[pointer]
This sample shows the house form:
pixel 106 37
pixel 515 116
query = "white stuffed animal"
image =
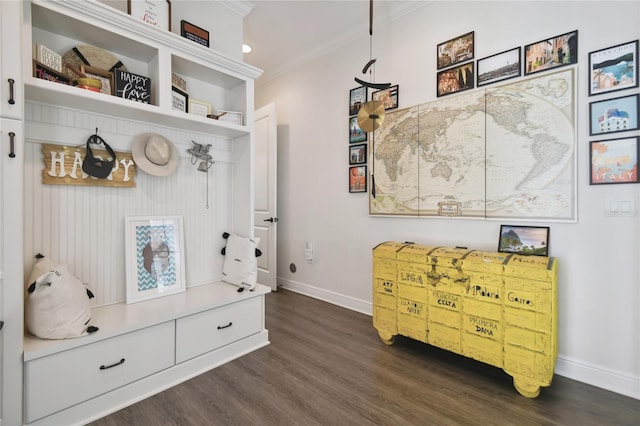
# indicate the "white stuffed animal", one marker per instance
pixel 240 264
pixel 57 303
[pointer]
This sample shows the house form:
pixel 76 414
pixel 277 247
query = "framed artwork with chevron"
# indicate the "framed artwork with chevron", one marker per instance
pixel 154 249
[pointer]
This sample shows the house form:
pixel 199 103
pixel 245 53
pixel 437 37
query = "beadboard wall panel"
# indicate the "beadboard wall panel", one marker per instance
pixel 83 226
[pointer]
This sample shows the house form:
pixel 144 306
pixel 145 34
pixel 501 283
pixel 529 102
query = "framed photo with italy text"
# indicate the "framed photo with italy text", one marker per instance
pixel 357 97
pixel 356 134
pixel 388 97
pixel 358 179
pixel 527 240
pixel 613 68
pixel 156 13
pixel 456 50
pixel 456 79
pixel 614 161
pixel 613 115
pixel 154 249
pixel 551 53
pixel 499 67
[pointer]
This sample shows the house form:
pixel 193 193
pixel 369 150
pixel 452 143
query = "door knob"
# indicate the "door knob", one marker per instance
pixel 271 219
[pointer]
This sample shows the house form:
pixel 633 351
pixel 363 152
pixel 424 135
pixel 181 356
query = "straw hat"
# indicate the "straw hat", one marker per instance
pixel 154 154
pixel 91 56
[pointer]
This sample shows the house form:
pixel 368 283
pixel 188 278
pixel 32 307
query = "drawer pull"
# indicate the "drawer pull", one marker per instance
pixel 220 327
pixel 105 367
pixel 11 83
pixel 12 145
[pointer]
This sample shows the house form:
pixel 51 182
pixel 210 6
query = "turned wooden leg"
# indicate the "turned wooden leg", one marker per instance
pixel 386 337
pixel 526 387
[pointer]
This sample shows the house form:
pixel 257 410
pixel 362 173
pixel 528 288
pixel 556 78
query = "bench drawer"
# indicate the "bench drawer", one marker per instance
pixel 203 332
pixel 58 381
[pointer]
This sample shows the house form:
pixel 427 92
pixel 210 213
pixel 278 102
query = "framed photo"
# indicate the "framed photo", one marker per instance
pixel 613 115
pixel 199 107
pixel 234 117
pixel 156 13
pixel 357 97
pixel 45 73
pixel 551 53
pixel 456 50
pixel 358 154
pixel 388 97
pixel 356 134
pixel 614 161
pixel 613 68
pixel 193 33
pixel 456 79
pixel 499 67
pixel 358 179
pixel 179 100
pixel 154 249
pixel 105 77
pixel 527 240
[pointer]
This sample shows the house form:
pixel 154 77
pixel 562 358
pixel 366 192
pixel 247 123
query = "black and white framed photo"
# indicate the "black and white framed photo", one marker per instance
pixel 551 53
pixel 357 97
pixel 526 240
pixel 614 68
pixel 499 67
pixel 179 100
pixel 358 154
pixel 154 249
pixel 613 115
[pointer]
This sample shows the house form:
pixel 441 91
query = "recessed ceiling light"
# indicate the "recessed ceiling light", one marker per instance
pixel 246 48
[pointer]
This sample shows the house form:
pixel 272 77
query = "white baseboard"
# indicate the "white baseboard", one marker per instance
pixel 594 375
pixel 565 366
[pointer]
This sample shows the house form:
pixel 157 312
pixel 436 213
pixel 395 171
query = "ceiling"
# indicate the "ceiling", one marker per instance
pixel 287 34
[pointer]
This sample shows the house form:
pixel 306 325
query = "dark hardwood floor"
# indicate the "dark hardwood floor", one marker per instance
pixel 327 366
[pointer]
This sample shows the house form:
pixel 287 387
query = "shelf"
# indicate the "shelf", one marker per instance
pixel 211 77
pixel 46 92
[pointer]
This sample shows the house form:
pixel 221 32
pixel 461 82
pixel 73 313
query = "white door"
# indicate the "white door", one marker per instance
pixel 265 213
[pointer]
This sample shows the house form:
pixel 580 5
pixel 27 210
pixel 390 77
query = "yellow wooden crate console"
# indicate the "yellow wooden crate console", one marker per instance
pixel 497 308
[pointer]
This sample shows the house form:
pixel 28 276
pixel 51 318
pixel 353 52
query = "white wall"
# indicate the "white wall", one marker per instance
pixel 599 296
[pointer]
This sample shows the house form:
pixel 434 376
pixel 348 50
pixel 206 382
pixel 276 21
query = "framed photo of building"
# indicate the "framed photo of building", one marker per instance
pixel 527 240
pixel 358 154
pixel 154 249
pixel 551 53
pixel 456 50
pixel 456 79
pixel 388 97
pixel 356 134
pixel 357 97
pixel 614 115
pixel 614 68
pixel 499 67
pixel 614 161
pixel 358 179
